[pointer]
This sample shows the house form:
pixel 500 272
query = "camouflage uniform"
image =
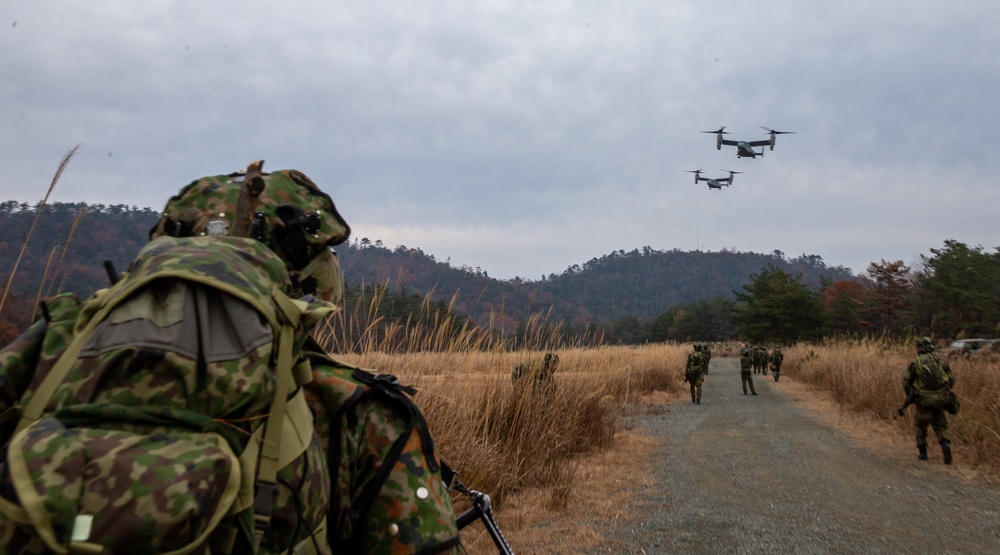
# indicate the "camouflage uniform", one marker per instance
pixel 541 377
pixel 694 372
pixel 361 419
pixel 776 358
pixel 761 355
pixel 925 415
pixel 746 371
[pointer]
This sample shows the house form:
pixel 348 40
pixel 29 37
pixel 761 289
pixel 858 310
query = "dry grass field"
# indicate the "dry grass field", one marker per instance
pixel 554 462
pixel 866 378
pixel 537 452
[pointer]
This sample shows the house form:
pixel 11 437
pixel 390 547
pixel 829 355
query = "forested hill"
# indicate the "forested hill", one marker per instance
pixel 641 283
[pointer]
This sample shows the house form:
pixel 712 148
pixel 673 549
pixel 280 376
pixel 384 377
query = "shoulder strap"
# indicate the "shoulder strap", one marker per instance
pixel 270 450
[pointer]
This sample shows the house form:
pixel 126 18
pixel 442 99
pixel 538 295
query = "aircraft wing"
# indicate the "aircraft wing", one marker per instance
pixel 764 142
pixel 730 142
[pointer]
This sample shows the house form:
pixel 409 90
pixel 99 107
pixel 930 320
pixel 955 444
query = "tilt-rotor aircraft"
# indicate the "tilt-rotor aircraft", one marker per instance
pixel 714 182
pixel 745 149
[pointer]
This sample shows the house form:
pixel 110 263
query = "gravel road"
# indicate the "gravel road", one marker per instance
pixel 744 474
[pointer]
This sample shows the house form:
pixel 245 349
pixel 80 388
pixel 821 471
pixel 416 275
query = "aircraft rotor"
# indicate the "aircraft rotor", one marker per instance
pixel 719 131
pixel 773 134
pixel 718 136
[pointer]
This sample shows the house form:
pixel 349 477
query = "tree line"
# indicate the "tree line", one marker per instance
pixel 624 297
pixel 955 293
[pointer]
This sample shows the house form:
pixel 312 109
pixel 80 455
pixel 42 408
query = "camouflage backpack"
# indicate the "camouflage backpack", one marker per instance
pixel 932 382
pixel 164 414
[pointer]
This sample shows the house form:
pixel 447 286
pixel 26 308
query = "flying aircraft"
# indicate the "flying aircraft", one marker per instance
pixel 714 182
pixel 745 149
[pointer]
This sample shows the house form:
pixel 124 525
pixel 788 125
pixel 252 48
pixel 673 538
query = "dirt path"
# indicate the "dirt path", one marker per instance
pixel 759 475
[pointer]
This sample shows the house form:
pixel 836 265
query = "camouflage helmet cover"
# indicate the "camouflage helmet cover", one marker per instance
pixel 925 344
pixel 293 217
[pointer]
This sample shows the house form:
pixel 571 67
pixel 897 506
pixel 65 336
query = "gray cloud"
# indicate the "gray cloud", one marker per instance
pixel 526 138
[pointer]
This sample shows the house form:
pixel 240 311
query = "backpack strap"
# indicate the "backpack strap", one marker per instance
pixel 270 449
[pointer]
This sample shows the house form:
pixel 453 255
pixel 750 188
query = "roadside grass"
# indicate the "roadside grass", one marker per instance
pixel 533 451
pixel 506 440
pixel 866 377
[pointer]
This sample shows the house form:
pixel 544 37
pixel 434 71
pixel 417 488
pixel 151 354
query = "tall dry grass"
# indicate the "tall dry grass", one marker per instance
pixel 41 206
pixel 504 439
pixel 867 376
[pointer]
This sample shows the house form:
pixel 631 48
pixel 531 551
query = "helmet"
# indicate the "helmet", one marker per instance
pixel 745 352
pixel 293 217
pixel 925 345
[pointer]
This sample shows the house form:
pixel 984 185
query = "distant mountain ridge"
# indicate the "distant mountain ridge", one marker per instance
pixel 642 283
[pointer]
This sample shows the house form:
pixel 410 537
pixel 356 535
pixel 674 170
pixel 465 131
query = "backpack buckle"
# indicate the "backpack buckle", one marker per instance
pixel 263 507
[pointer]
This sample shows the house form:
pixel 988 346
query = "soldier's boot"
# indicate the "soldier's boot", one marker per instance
pixel 923 452
pixel 752 392
pixel 692 399
pixel 946 450
pixel 699 400
pixel 775 376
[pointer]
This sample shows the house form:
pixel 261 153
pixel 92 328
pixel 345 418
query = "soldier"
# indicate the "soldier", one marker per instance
pixel 405 510
pixel 746 370
pixel 776 357
pixel 369 480
pixel 540 376
pixel 695 370
pixel 928 381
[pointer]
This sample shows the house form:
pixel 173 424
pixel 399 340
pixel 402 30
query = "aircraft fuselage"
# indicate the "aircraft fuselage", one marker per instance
pixel 744 150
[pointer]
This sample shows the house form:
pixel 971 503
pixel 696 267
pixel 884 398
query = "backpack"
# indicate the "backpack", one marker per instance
pixel 165 414
pixel 932 383
pixel 407 459
pixel 697 364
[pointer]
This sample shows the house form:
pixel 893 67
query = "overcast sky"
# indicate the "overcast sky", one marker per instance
pixel 525 137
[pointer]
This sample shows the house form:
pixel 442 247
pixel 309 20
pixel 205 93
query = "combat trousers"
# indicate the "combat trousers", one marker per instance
pixel 935 418
pixel 747 378
pixel 696 383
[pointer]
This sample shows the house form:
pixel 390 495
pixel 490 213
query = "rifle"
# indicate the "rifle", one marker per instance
pixel 482 509
pixel 911 398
